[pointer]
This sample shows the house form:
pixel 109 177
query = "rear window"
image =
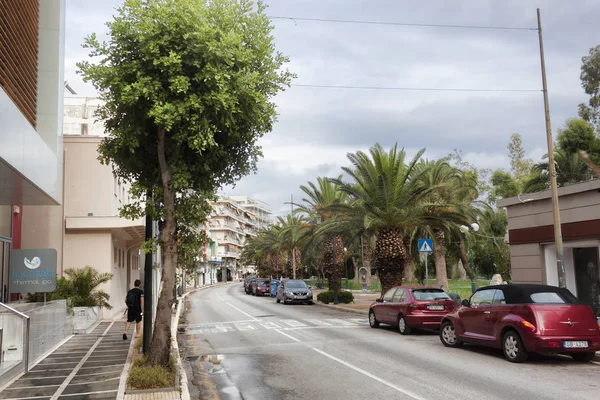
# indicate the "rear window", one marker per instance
pixel 263 282
pixel 430 294
pixel 552 298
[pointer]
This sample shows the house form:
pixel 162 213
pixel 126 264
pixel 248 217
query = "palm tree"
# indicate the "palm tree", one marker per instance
pixel 317 208
pixel 570 168
pixel 386 190
pixel 83 287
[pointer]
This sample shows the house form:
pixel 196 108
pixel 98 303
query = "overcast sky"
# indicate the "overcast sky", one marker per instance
pixel 317 127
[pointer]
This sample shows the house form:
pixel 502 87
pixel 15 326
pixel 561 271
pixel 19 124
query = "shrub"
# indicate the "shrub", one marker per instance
pixel 142 376
pixel 343 297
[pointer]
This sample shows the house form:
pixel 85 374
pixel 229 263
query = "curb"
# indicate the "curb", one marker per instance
pixel 123 380
pixel 346 309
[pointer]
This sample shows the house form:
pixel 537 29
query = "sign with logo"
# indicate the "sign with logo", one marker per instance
pixel 32 271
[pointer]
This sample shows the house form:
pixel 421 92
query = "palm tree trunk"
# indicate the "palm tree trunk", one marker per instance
pixel 356 267
pixel 390 258
pixel 328 260
pixel 409 268
pixel 464 257
pixel 339 261
pixel 367 253
pixel 439 255
pixel 298 263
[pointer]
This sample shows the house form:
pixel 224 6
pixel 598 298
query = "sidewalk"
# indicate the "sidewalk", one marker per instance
pixel 86 366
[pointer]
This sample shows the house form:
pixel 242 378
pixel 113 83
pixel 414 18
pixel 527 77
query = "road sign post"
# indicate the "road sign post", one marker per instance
pixel 426 246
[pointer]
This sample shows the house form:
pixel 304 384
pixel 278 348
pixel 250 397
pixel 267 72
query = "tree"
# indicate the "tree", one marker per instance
pixel 578 136
pixel 519 165
pixel 570 168
pixel 504 185
pixel 82 287
pixel 188 88
pixel 590 80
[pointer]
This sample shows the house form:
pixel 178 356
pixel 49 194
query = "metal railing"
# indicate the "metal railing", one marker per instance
pixel 6 313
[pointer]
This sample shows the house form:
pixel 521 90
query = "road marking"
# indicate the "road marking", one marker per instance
pixel 218 329
pixel 245 327
pixel 66 382
pixel 357 369
pixel 237 309
pixel 370 375
pixel 318 322
pixel 270 325
pixel 293 323
pixel 340 322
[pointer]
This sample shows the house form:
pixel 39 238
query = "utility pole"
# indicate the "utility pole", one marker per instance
pixel 148 295
pixel 560 267
pixel 336 299
pixel 293 244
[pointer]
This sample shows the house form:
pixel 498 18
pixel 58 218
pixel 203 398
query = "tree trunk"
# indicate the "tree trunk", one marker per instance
pixel 161 337
pixel 333 277
pixel 367 253
pixel 464 257
pixel 390 258
pixel 356 268
pixel 298 263
pixel 439 255
pixel 409 268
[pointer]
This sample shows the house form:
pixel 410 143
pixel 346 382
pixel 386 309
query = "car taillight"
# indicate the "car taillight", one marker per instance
pixel 554 344
pixel 595 344
pixel 414 305
pixel 530 327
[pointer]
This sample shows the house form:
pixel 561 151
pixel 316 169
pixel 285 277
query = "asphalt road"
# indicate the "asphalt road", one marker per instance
pixel 238 346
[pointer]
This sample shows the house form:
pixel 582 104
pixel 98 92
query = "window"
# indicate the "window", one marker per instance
pixel 115 257
pixel 499 297
pixel 549 298
pixel 483 297
pixel 399 296
pixel 430 294
pixel 389 295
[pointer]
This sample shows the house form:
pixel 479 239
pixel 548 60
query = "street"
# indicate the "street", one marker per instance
pixel 240 346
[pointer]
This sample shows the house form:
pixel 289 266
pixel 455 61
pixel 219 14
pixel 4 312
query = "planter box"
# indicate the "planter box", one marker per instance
pixel 174 388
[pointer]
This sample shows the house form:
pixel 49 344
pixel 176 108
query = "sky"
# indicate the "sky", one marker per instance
pixel 318 127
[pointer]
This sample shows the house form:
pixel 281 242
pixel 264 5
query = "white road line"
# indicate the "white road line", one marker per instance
pixel 88 393
pixel 66 382
pixel 245 327
pixel 237 309
pixel 340 322
pixel 359 370
pixel 270 325
pixel 292 322
pixel 318 322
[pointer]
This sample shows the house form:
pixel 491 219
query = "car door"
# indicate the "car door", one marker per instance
pixel 473 317
pixel 396 305
pixel 495 313
pixel 382 310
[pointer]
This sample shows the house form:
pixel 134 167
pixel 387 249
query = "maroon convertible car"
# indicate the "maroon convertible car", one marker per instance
pixel 520 319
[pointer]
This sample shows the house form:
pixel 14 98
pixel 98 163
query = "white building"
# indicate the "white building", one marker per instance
pixel 233 220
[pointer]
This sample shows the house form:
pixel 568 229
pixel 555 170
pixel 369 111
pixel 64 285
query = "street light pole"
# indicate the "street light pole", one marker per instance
pixel 562 282
pixel 346 268
pixel 148 286
pixel 336 299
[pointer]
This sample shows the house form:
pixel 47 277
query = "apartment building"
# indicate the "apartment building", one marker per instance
pixel 32 36
pixel 234 219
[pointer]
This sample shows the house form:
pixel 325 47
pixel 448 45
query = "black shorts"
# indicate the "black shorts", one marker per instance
pixel 134 315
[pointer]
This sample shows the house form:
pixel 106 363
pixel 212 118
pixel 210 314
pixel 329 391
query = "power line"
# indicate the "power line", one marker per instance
pixel 423 89
pixel 346 21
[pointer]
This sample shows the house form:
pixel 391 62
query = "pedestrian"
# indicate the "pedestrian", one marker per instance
pixel 135 305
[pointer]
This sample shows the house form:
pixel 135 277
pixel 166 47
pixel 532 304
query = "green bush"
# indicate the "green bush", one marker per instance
pixel 143 376
pixel 343 297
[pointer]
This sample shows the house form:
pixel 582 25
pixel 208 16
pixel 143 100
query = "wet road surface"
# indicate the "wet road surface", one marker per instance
pixel 238 346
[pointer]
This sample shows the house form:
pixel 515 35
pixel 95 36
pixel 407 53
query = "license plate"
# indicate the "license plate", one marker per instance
pixel 580 344
pixel 435 307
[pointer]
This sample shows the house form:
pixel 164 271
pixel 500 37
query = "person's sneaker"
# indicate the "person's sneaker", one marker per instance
pixel 124 336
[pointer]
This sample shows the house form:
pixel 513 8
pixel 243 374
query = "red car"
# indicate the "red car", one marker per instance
pixel 411 307
pixel 520 319
pixel 262 287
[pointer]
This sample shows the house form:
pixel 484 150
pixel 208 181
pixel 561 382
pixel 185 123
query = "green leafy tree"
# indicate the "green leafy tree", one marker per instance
pixel 82 287
pixel 578 136
pixel 590 80
pixel 188 88
pixel 570 168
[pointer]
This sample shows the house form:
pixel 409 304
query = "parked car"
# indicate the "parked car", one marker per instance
pixel 262 287
pixel 523 319
pixel 294 291
pixel 247 282
pixel 411 307
pixel 250 286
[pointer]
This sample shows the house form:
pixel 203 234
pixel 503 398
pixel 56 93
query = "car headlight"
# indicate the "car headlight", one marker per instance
pixel 309 293
pixel 289 294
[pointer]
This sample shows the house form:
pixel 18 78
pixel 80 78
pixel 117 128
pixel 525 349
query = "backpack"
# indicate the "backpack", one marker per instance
pixel 130 300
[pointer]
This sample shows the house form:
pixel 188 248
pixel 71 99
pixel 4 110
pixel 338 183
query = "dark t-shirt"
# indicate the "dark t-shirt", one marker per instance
pixel 139 293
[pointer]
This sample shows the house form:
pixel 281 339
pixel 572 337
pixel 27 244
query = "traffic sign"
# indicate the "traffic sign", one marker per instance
pixel 425 246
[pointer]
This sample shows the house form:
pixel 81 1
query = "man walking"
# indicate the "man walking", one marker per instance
pixel 135 305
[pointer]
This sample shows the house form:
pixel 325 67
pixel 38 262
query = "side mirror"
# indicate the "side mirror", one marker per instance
pixel 379 300
pixel 465 303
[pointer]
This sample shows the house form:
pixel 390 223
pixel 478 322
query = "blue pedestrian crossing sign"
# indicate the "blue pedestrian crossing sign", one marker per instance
pixel 425 246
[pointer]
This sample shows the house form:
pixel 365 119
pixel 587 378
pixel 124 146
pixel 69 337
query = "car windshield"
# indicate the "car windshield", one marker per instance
pixel 263 282
pixel 430 294
pixel 295 285
pixel 553 298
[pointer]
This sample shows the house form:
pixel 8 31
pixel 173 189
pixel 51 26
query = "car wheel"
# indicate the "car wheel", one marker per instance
pixel 513 348
pixel 403 326
pixel 310 303
pixel 372 320
pixel 448 335
pixel 583 357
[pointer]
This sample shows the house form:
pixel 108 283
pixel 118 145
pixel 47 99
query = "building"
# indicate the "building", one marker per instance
pixel 531 238
pixel 232 221
pixel 31 107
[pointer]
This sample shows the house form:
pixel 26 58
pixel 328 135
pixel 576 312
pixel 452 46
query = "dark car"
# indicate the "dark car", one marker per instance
pixel 522 319
pixel 250 285
pixel 262 287
pixel 411 307
pixel 247 282
pixel 294 291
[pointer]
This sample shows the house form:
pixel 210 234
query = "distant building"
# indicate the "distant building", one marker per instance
pixel 233 220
